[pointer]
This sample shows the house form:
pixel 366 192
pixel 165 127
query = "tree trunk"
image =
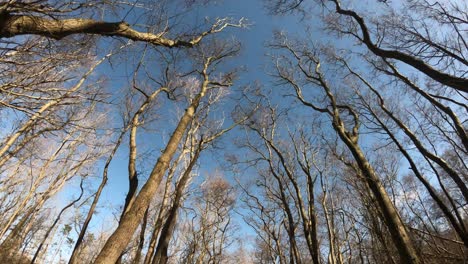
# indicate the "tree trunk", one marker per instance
pixel 129 222
pixel 169 226
pixel 57 219
pixel 89 216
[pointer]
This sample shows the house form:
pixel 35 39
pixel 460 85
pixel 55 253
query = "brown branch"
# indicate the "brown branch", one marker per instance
pixel 15 25
pixel 458 83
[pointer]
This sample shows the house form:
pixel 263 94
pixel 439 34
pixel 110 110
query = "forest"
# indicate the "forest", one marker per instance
pixel 224 132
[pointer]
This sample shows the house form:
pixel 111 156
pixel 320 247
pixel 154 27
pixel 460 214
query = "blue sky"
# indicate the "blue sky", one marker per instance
pixel 256 62
pixel 252 57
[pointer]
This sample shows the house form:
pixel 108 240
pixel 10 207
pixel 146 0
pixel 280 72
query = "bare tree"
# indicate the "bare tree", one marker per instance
pixel 48 43
pixel 345 121
pixel 130 221
pixel 210 231
pixel 57 219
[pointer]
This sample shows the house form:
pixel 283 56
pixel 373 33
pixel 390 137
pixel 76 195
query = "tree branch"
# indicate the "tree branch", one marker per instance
pixel 15 25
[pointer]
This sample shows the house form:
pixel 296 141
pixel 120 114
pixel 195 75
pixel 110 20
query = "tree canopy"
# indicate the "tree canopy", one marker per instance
pixel 272 131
